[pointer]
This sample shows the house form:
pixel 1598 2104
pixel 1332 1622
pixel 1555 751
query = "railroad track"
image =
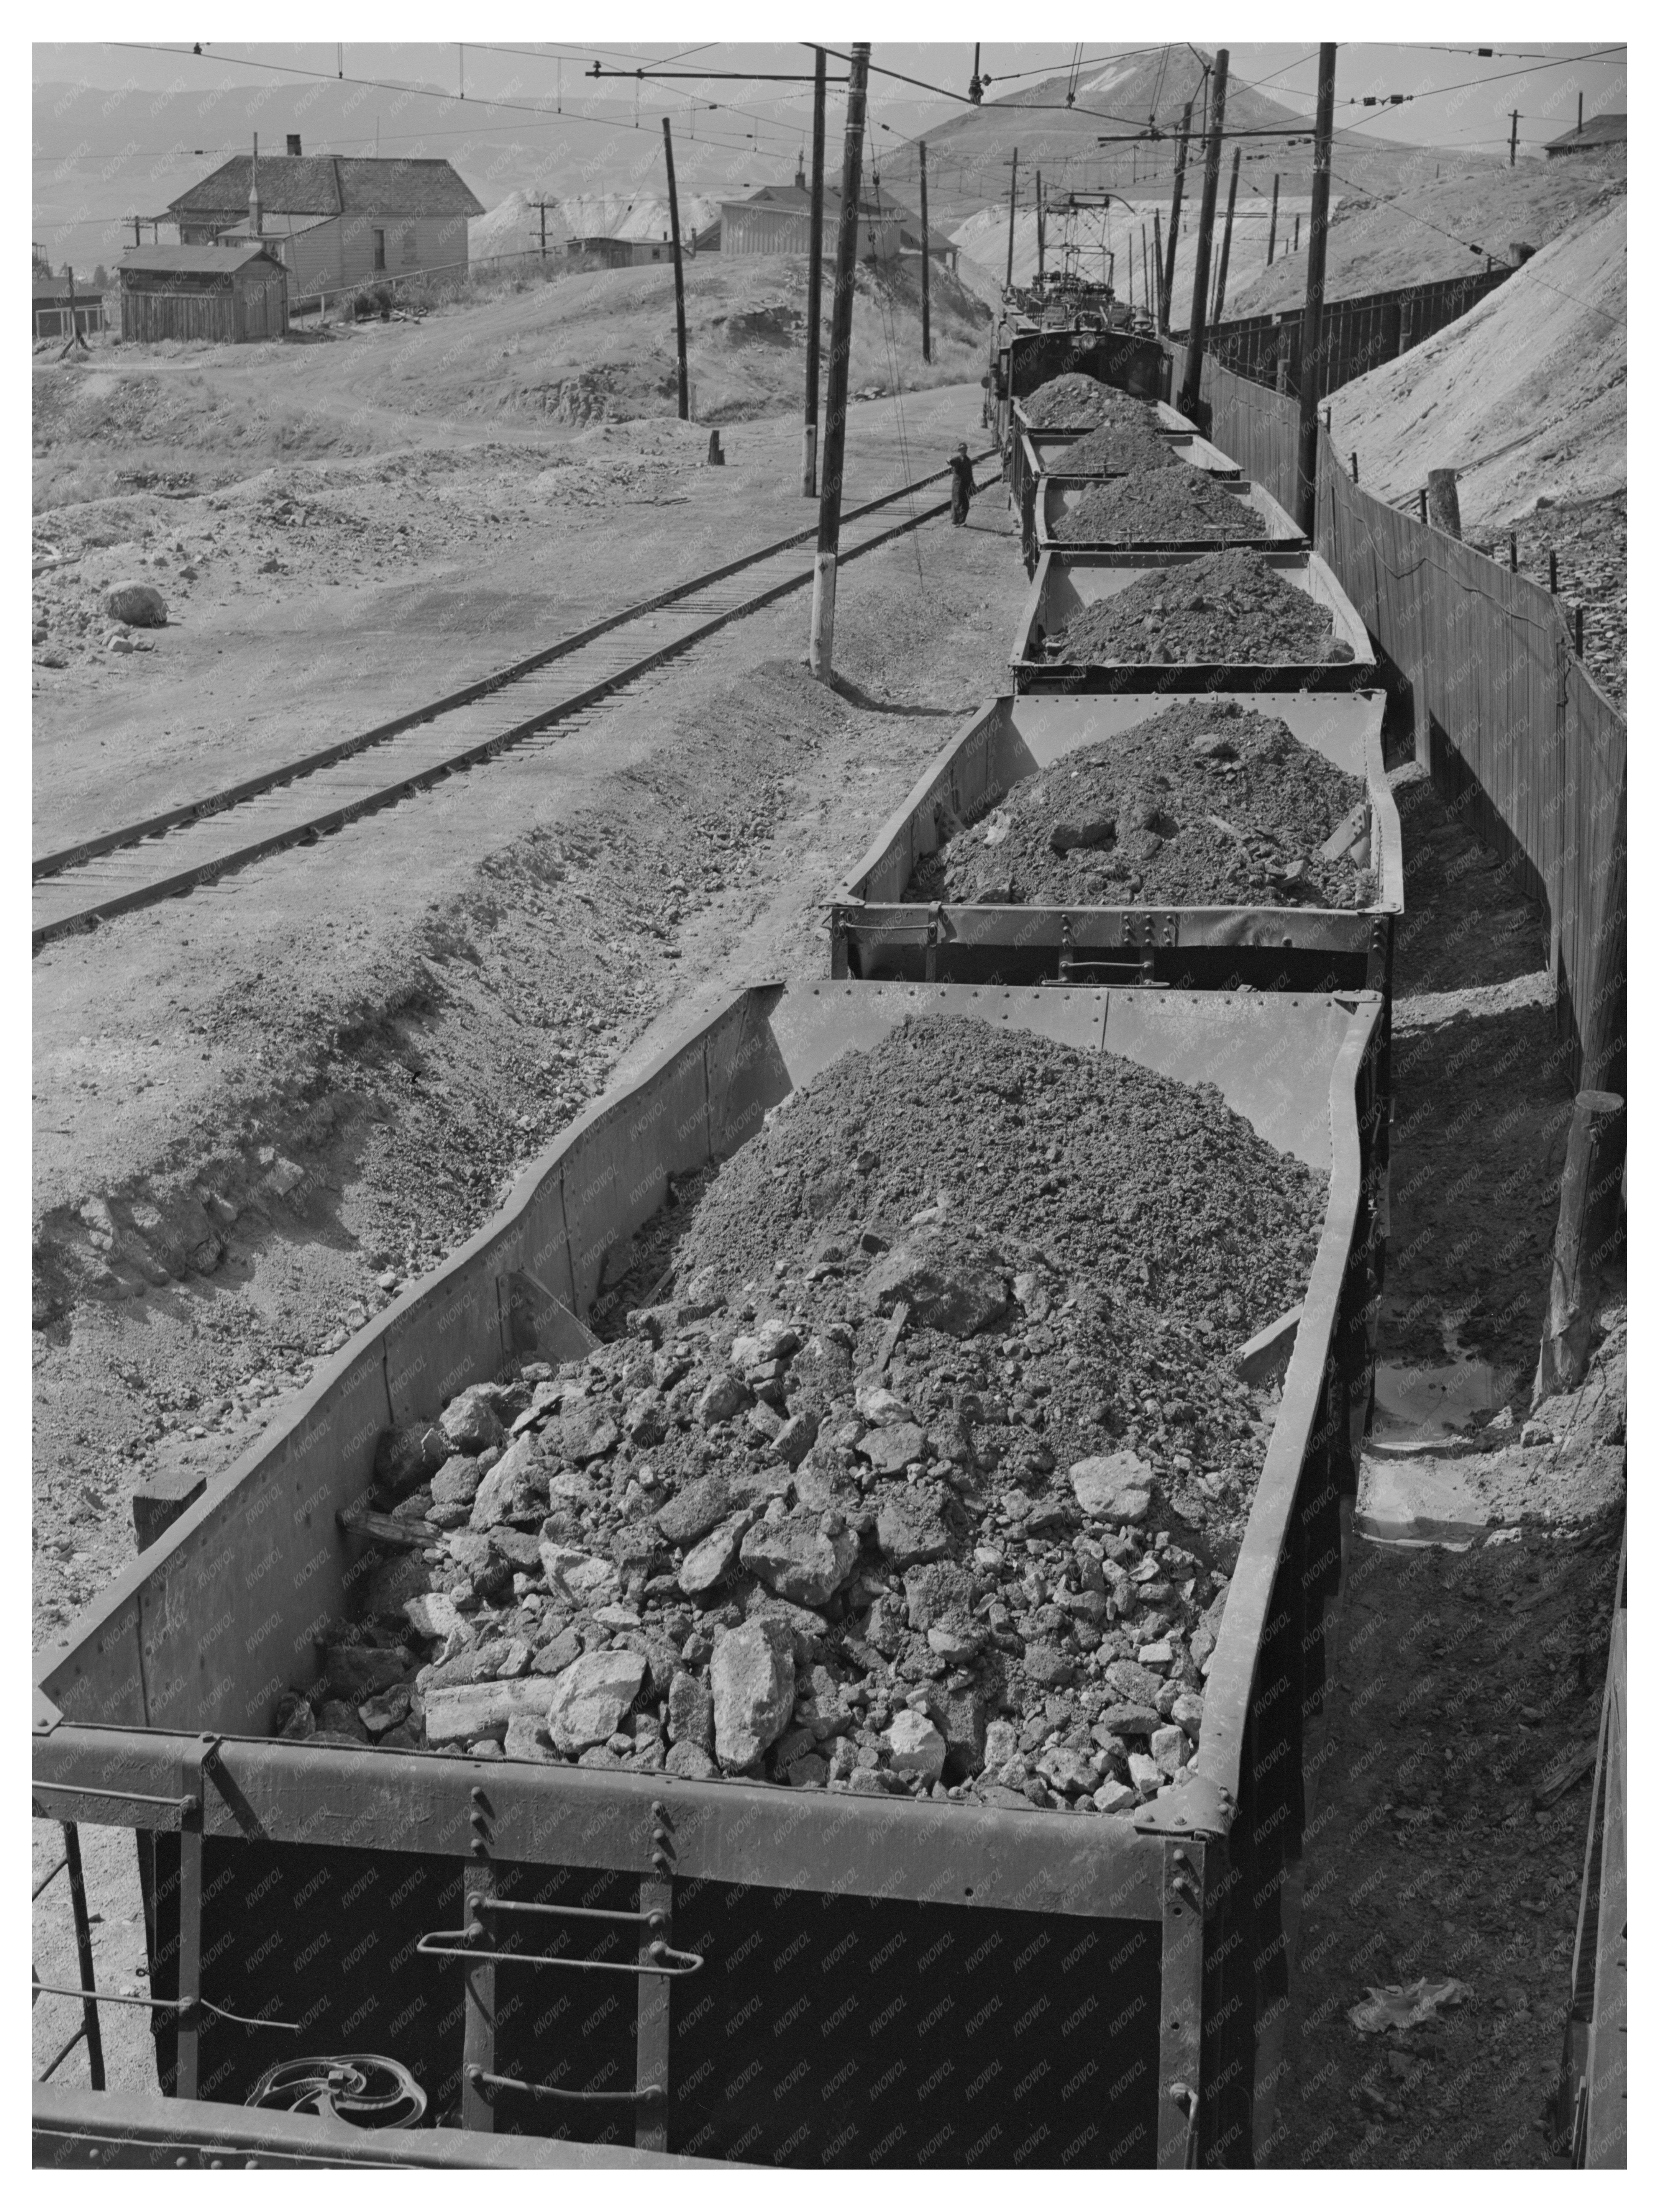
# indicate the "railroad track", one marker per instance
pixel 171 853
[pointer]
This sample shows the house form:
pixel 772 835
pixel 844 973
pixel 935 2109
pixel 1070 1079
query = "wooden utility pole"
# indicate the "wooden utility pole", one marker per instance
pixel 1307 456
pixel 927 327
pixel 76 336
pixel 1013 181
pixel 821 647
pixel 1145 271
pixel 1161 311
pixel 1039 216
pixel 1515 127
pixel 809 451
pixel 1226 239
pixel 1189 386
pixel 679 270
pixel 1272 222
pixel 1167 293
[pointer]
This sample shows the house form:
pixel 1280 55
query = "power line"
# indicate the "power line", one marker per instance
pixel 1501 76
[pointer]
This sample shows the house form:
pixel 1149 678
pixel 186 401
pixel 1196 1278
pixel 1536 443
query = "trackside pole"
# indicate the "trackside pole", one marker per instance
pixel 1306 467
pixel 809 469
pixel 821 647
pixel 679 269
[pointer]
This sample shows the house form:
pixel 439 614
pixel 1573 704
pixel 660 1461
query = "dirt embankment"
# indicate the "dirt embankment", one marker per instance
pixel 1524 396
pixel 1417 226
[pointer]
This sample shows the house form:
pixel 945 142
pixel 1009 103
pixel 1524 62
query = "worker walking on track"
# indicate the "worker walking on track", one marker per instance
pixel 962 486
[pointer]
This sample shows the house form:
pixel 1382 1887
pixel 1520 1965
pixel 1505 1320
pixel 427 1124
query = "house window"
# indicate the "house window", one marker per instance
pixel 406 256
pixel 380 251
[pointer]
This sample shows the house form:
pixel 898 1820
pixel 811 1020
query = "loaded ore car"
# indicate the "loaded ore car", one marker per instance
pixel 583 1963
pixel 900 919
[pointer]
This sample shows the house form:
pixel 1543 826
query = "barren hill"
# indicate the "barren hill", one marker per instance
pixel 1424 226
pixel 1524 396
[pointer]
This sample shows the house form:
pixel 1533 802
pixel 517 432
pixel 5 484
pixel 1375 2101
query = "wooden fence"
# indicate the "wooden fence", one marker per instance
pixel 1508 722
pixel 1356 335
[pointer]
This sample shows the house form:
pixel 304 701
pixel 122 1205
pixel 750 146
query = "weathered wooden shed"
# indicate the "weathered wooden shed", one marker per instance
pixel 226 293
pixel 52 303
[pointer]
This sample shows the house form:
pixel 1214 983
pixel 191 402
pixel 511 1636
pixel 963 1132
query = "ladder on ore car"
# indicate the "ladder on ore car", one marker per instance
pixel 479 1944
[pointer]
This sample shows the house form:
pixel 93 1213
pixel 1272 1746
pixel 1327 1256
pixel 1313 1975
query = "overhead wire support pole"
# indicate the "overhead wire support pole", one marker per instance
pixel 1226 239
pixel 809 473
pixel 1013 181
pixel 821 648
pixel 926 326
pixel 1307 457
pixel 1167 294
pixel 679 271
pixel 1272 222
pixel 1190 381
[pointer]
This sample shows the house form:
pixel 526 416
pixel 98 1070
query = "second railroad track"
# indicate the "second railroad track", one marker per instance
pixel 296 803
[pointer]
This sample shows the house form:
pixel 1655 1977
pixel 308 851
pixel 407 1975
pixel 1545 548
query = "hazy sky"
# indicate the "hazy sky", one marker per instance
pixel 1458 99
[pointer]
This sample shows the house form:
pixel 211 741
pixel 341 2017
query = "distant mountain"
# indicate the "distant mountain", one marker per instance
pixel 969 157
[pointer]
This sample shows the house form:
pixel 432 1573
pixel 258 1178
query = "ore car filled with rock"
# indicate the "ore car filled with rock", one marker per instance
pixel 1026 357
pixel 1209 843
pixel 794 1647
pixel 1236 620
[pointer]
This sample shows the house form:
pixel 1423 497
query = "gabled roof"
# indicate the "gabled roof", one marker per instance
pixel 794 196
pixel 1598 131
pixel 331 183
pixel 198 260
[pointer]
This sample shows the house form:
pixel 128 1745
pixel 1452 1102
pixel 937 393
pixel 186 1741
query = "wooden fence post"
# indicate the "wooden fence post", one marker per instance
pixel 1586 1233
pixel 1443 509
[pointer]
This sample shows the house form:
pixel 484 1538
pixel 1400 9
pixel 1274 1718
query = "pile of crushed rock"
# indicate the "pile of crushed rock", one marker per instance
pixel 1228 608
pixel 1207 804
pixel 925 1478
pixel 1075 402
pixel 1160 508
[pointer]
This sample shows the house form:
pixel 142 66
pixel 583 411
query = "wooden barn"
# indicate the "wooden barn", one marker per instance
pixel 225 293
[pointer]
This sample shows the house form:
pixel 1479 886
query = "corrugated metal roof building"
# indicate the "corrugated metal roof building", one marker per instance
pixel 337 221
pixel 225 293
